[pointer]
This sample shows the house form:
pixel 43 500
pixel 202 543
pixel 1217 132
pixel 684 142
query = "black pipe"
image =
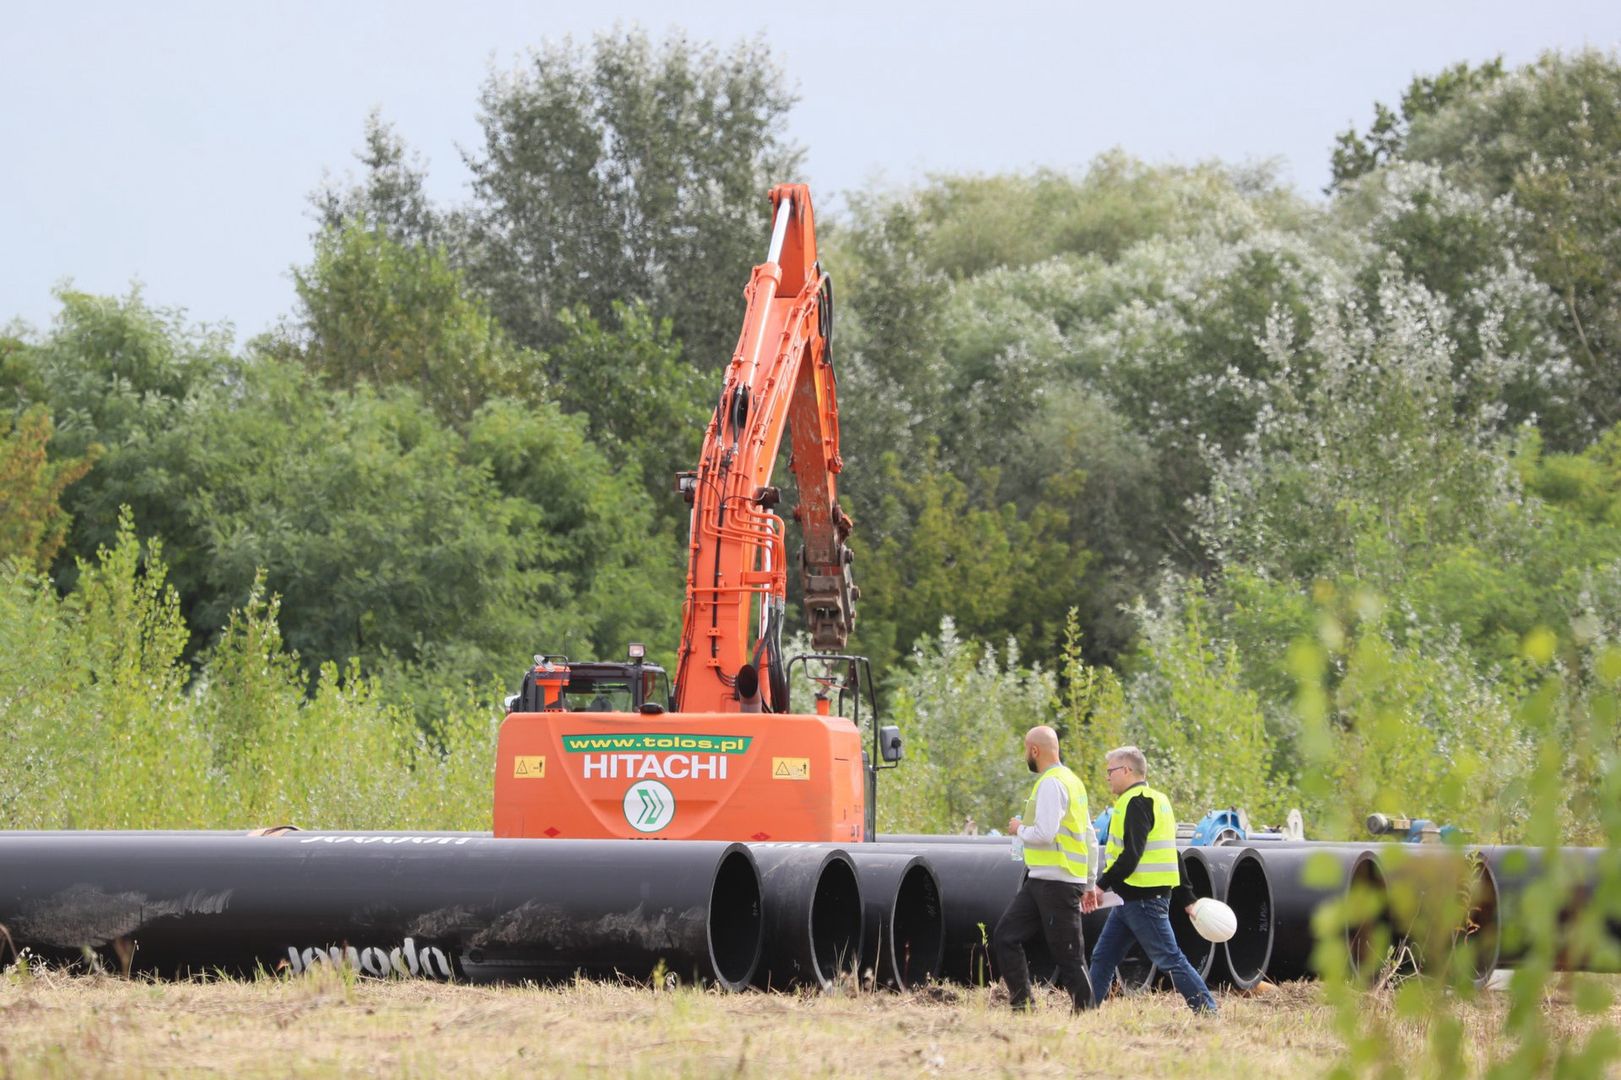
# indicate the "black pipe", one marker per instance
pixel 979 878
pixel 813 915
pixel 938 838
pixel 457 907
pixel 904 926
pixel 977 882
pixel 1204 872
pixel 1302 879
pixel 1134 973
pixel 1368 933
pixel 1243 958
pixel 1514 869
pixel 1441 898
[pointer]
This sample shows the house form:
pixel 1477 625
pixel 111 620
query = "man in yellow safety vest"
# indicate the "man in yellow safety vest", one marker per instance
pixel 1140 866
pixel 1056 836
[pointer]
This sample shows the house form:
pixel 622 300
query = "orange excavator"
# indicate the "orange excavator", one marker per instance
pixel 605 749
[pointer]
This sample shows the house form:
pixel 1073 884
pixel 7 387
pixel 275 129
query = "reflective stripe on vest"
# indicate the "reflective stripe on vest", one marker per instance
pixel 1068 847
pixel 1158 866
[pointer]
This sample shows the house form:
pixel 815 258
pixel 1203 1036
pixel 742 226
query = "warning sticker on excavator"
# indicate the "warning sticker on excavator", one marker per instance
pixel 790 768
pixel 527 767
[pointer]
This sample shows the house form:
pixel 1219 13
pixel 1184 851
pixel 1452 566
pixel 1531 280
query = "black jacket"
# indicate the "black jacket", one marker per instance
pixel 1139 819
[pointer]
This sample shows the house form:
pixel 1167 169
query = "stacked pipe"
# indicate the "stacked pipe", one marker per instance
pixel 447 907
pixel 898 912
pixel 465 906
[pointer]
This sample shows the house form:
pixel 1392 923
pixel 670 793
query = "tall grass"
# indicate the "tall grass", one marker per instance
pixel 107 726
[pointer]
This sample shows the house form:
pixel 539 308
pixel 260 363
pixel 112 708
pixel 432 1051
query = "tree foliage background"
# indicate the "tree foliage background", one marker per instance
pixel 1117 440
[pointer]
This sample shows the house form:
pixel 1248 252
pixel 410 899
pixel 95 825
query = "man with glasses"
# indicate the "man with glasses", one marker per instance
pixel 1055 835
pixel 1140 866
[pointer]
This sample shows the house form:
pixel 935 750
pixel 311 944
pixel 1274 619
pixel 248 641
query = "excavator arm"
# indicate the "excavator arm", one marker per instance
pixel 780 379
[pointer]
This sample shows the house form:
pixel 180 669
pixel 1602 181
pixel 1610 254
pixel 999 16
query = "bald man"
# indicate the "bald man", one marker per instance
pixel 1056 836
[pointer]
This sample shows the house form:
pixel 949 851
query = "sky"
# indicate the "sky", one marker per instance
pixel 176 144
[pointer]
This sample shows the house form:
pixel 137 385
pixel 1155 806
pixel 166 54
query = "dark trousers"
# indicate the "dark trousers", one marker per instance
pixel 1051 909
pixel 1149 921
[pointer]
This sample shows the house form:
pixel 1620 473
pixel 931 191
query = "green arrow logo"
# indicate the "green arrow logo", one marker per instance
pixel 649 806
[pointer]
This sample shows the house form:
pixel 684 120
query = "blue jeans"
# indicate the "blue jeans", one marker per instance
pixel 1149 921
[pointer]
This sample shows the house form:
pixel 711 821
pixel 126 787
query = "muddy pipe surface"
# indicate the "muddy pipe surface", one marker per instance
pixel 449 907
pixel 811 900
pixel 904 932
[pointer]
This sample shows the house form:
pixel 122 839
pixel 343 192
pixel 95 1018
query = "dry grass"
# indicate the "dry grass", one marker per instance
pixel 327 1023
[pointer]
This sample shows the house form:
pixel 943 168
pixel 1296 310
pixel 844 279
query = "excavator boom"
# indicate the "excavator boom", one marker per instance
pixel 780 377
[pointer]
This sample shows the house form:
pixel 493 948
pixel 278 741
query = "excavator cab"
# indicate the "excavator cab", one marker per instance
pixel 557 684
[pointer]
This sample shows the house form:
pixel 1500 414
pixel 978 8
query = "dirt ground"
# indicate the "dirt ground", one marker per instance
pixel 330 1023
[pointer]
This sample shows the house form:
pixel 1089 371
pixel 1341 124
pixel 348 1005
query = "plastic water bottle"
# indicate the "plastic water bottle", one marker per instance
pixel 1017 849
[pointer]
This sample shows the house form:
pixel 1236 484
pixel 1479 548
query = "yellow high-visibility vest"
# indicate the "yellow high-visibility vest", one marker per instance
pixel 1068 847
pixel 1158 866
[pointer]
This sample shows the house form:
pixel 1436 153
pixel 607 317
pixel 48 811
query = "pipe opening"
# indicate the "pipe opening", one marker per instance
pixel 1136 972
pixel 1482 927
pixel 1250 896
pixel 836 920
pixel 1367 928
pixel 736 923
pixel 917 941
pixel 1200 953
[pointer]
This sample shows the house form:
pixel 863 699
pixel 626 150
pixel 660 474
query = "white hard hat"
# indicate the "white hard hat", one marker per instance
pixel 1213 919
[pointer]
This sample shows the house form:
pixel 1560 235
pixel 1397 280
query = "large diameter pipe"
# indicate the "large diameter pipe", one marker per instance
pixel 813 915
pixel 1204 872
pixel 979 878
pixel 904 926
pixel 1134 973
pixel 1442 900
pixel 977 882
pixel 1304 879
pixel 1517 869
pixel 458 907
pixel 1242 959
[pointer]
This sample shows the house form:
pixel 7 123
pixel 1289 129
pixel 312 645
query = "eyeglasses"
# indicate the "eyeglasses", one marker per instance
pixel 1112 769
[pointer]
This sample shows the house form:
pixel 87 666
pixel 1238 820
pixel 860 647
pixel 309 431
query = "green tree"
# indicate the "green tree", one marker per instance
pixel 642 405
pixel 601 570
pixel 361 509
pixel 1547 137
pixel 1189 707
pixel 391 196
pixel 963 711
pixel 378 312
pixel 21 383
pixel 930 547
pixel 33 525
pixel 628 171
pixel 1358 153
pixel 119 373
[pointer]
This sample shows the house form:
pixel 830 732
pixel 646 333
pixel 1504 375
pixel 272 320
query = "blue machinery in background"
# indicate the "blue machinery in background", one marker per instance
pixel 1219 828
pixel 1223 828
